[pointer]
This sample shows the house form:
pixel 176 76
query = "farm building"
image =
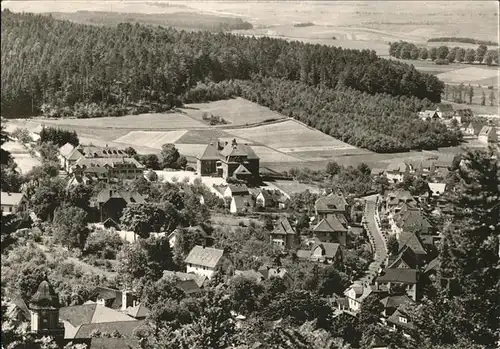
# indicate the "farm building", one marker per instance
pixel 203 261
pixel 11 202
pixel 228 159
pixel 271 198
pixel 488 134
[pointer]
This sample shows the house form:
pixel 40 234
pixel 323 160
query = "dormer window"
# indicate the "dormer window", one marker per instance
pixel 403 320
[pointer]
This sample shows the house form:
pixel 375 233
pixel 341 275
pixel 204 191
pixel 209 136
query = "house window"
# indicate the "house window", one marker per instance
pixel 403 320
pixel 10 209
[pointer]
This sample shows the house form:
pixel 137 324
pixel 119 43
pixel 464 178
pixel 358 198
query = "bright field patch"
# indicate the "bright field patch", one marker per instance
pixel 289 135
pixel 165 121
pixel 466 75
pixel 267 155
pixel 208 135
pixel 236 111
pixel 151 139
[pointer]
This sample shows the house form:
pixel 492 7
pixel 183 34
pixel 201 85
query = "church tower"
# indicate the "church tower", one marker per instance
pixel 44 309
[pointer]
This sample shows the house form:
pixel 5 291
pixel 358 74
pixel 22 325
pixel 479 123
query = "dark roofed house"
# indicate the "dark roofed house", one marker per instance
pixel 112 202
pixel 235 190
pixel 113 298
pixel 331 229
pixel 189 283
pixel 203 260
pixel 399 276
pixel 326 252
pixel 283 236
pixel 228 160
pixel 335 203
pixel 241 204
pixel 401 320
pixel 392 302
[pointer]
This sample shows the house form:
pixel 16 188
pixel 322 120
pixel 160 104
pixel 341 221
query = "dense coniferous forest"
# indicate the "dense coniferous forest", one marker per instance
pixel 63 69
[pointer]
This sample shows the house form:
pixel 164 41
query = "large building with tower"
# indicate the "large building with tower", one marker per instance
pixel 228 159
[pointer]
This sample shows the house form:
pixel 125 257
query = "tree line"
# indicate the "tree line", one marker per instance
pixel 444 54
pixel 87 71
pixel 379 122
pixel 464 40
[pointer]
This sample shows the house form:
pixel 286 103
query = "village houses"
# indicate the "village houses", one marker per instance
pixel 11 202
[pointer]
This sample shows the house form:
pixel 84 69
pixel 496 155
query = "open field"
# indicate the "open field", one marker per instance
pixel 237 111
pixel 290 136
pixel 294 187
pixel 470 75
pixel 150 138
pixel 152 121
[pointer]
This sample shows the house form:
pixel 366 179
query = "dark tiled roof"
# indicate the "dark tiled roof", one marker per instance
pixel 329 249
pixel 394 318
pixel 45 296
pixel 330 224
pixel 129 196
pixel 399 275
pixel 78 315
pixel 210 153
pixel 283 228
pixel 238 189
pixel 412 241
pixel 433 265
pixel 242 201
pixel 125 328
pixel 394 301
pixel 139 311
pixel 208 257
pixel 108 294
pixel 331 202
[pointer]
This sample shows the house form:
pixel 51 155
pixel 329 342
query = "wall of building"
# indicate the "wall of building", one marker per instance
pixel 206 167
pixel 200 270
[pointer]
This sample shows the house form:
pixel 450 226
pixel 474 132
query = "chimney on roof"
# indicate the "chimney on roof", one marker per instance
pixel 234 141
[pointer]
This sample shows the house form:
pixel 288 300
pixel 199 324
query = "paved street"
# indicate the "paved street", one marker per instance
pixel 377 239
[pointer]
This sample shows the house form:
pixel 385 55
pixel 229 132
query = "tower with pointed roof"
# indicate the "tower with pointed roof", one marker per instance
pixel 44 309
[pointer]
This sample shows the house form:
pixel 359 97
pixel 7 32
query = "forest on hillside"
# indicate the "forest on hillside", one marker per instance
pixel 380 123
pixel 64 69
